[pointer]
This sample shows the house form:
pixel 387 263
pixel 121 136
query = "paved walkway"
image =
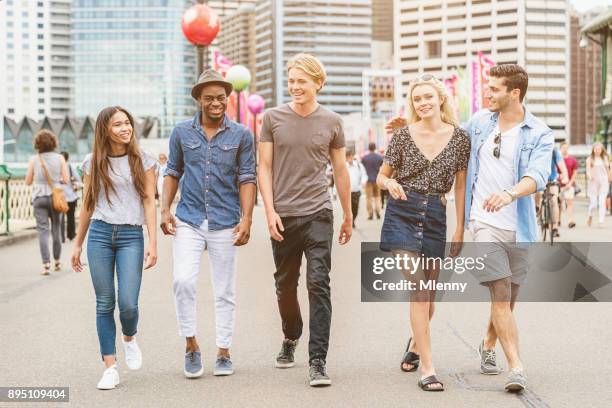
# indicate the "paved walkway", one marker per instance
pixel 48 338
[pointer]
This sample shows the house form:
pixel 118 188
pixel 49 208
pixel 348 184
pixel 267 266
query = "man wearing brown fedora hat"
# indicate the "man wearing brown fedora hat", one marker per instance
pixel 213 159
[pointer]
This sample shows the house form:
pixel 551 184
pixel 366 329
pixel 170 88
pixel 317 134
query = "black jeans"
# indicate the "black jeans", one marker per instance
pixel 312 236
pixel 355 196
pixel 68 218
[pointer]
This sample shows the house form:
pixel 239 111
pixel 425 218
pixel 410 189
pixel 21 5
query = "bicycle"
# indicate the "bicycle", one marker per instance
pixel 545 213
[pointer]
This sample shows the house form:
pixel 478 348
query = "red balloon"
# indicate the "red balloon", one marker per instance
pixel 200 24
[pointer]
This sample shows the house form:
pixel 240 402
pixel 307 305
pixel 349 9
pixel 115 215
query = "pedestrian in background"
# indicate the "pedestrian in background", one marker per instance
pixel 70 190
pixel 598 172
pixel 162 163
pixel 372 162
pixel 359 177
pixel 119 198
pixel 47 170
pixel 568 191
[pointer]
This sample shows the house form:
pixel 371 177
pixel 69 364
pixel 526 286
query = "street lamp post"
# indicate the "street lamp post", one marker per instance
pixel 200 26
pixel 240 78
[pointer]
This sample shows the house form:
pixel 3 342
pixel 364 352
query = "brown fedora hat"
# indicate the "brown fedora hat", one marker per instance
pixel 210 77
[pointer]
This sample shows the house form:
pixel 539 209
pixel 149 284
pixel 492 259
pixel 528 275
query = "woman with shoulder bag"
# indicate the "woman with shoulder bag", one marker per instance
pixel 47 172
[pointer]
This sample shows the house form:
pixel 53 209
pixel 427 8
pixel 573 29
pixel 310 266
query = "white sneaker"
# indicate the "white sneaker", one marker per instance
pixel 133 356
pixel 110 379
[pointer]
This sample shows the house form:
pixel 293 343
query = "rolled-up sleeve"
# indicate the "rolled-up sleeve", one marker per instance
pixel 246 157
pixel 539 166
pixel 175 157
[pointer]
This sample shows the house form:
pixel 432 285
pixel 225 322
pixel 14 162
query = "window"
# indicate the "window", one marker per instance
pixel 41 111
pixel 41 47
pixel 40 36
pixel 434 49
pixel 40 15
pixel 41 79
pixel 11 110
pixel 41 90
pixel 41 57
pixel 40 25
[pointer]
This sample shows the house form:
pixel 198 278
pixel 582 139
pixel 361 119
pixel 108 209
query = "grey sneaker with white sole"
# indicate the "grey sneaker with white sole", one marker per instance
pixel 193 364
pixel 517 380
pixel 488 361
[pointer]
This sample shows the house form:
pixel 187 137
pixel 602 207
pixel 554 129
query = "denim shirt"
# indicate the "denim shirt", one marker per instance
pixel 532 158
pixel 210 172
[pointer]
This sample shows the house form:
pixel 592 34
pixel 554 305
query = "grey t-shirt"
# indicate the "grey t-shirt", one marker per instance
pixel 301 152
pixel 53 162
pixel 125 205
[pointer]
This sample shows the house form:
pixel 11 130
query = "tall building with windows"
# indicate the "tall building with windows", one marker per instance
pixel 226 7
pixel 338 32
pixel 36 72
pixel 585 80
pixel 133 53
pixel 236 40
pixel 436 36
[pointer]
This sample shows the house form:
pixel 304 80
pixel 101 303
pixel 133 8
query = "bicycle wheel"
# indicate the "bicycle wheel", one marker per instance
pixel 549 222
pixel 545 217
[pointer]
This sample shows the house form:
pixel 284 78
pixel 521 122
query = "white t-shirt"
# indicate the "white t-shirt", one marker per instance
pixel 125 206
pixel 495 175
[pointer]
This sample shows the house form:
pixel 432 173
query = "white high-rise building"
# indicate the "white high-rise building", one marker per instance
pixel 36 74
pixel 338 32
pixel 436 36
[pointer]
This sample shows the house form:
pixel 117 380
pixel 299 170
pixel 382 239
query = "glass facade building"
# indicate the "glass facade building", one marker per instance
pixel 133 53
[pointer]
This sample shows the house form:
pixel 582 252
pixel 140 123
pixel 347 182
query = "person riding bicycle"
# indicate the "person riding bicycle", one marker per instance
pixel 557 164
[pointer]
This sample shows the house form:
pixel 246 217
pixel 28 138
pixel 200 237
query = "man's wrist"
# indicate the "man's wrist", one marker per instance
pixel 512 193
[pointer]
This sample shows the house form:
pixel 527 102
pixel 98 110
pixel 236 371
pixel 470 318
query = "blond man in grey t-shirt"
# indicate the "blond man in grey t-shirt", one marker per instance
pixel 297 141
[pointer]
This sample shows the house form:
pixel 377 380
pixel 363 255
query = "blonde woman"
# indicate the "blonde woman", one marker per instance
pixel 597 169
pixel 426 157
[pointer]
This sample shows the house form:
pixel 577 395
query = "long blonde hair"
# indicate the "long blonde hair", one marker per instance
pixel 603 155
pixel 447 111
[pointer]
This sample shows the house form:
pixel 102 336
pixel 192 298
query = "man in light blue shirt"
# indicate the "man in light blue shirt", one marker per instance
pixel 510 161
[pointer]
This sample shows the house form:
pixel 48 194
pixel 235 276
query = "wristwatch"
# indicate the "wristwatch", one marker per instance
pixel 513 194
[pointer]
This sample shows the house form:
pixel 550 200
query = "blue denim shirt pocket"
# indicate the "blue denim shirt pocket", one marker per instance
pixel 226 155
pixel 525 154
pixel 193 151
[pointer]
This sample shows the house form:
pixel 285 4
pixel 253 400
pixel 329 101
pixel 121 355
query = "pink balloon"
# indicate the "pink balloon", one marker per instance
pixel 256 104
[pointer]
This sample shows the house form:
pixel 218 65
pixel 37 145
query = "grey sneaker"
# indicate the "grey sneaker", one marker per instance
pixel 193 364
pixel 517 381
pixel 285 357
pixel 317 374
pixel 488 361
pixel 223 366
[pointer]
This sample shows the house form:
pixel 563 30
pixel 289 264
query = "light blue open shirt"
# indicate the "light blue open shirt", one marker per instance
pixel 532 158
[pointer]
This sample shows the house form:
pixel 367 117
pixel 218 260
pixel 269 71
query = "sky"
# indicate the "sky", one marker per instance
pixel 584 5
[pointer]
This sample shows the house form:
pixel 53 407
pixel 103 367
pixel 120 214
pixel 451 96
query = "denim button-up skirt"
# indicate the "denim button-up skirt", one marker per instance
pixel 417 224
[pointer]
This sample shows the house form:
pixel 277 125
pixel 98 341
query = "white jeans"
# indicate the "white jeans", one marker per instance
pixel 187 252
pixel 598 192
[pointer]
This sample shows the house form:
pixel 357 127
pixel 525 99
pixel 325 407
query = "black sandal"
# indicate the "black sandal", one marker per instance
pixel 426 382
pixel 410 358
